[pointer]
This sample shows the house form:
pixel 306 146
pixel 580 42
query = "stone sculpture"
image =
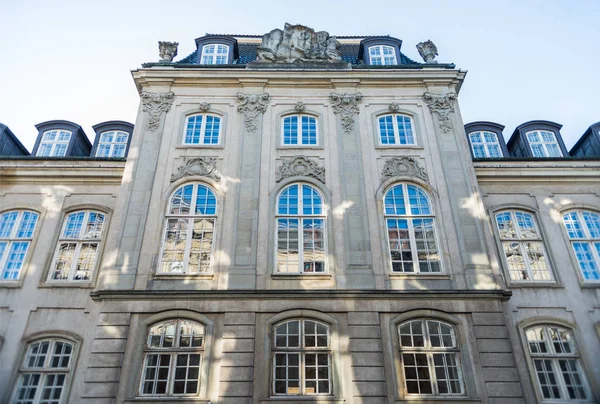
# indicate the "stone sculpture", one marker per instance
pixel 401 167
pixel 297 44
pixel 202 166
pixel 155 104
pixel 300 166
pixel 428 51
pixel 442 105
pixel 167 51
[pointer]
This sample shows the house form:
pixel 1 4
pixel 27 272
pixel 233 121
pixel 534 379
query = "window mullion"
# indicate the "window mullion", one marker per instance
pixel 73 268
pixel 203 130
pixel 301 373
pixel 301 244
pixel 188 244
pixel 413 245
pixel 564 393
pixel 432 376
pixel 396 129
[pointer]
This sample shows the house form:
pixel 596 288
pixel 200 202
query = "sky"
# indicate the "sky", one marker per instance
pixel 526 60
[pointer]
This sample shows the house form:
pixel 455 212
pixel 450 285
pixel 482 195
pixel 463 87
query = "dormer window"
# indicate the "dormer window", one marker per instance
pixel 485 145
pixel 543 144
pixel 112 144
pixel 54 143
pixel 214 54
pixel 382 55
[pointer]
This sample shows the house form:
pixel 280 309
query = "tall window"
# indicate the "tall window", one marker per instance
pixel 112 144
pixel 382 55
pixel 523 247
pixel 16 232
pixel 301 358
pixel 54 143
pixel 543 144
pixel 44 372
pixel 214 54
pixel 430 358
pixel 556 364
pixel 172 359
pixel 301 245
pixel 77 249
pixel 299 130
pixel 583 228
pixel 189 230
pixel 411 230
pixel 202 129
pixel 396 129
pixel 485 145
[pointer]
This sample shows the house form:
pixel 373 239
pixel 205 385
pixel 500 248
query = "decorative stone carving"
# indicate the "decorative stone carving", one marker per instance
pixel 203 166
pixel 154 104
pixel 203 106
pixel 167 51
pixel 394 107
pixel 299 106
pixel 297 44
pixel 403 167
pixel 252 105
pixel 442 105
pixel 300 166
pixel 428 51
pixel 346 106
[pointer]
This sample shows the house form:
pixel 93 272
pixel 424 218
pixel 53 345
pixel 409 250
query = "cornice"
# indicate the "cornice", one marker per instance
pixel 543 171
pixel 42 171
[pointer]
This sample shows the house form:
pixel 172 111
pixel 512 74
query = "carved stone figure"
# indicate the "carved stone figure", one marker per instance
pixel 252 105
pixel 428 51
pixel 346 106
pixel 167 50
pixel 203 166
pixel 394 107
pixel 300 166
pixel 403 167
pixel 442 105
pixel 155 104
pixel 299 107
pixel 203 106
pixel 297 44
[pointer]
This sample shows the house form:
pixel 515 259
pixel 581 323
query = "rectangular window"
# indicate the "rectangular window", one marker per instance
pixel 543 144
pixel 54 143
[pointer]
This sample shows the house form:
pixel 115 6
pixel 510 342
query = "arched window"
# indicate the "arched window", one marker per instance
pixel 202 129
pixel 430 358
pixel 77 249
pixel 112 144
pixel 16 233
pixel 44 372
pixel 214 54
pixel 555 362
pixel 382 55
pixel 172 358
pixel 301 244
pixel 523 247
pixel 485 145
pixel 411 232
pixel 301 358
pixel 583 228
pixel 299 130
pixel 189 230
pixel 54 143
pixel 543 144
pixel 396 129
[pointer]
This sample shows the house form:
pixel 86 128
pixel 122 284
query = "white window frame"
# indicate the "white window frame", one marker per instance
pixel 12 238
pixel 544 144
pixel 217 120
pixel 45 371
pixel 54 144
pixel 588 239
pixel 301 350
pixel 78 241
pixel 299 130
pixel 382 56
pixel 396 130
pixel 214 56
pixel 429 350
pixel 521 240
pixel 113 144
pixel 486 145
pixel 301 217
pixel 410 217
pixel 554 358
pixel 190 218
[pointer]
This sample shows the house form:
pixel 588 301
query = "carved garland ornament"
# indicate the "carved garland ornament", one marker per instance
pixel 403 167
pixel 154 104
pixel 300 166
pixel 346 106
pixel 442 105
pixel 202 166
pixel 252 105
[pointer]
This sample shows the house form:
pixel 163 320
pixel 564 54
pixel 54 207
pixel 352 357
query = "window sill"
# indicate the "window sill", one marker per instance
pixel 154 400
pixel 55 284
pixel 590 284
pixel 11 284
pixel 530 284
pixel 399 146
pixel 198 277
pixel 303 399
pixel 437 399
pixel 200 146
pixel 395 275
pixel 301 276
pixel 299 147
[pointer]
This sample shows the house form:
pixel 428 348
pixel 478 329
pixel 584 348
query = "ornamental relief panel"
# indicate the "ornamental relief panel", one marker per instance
pixel 403 167
pixel 200 166
pixel 300 166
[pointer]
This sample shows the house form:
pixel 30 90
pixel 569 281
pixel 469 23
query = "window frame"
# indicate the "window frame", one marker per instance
pixel 111 145
pixel 396 130
pixel 13 238
pixel 214 55
pixel 381 48
pixel 299 132
pixel 485 144
pixel 587 239
pixel 543 144
pixel 54 143
pixel 203 125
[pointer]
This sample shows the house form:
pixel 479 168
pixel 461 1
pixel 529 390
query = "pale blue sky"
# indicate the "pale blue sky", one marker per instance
pixel 526 59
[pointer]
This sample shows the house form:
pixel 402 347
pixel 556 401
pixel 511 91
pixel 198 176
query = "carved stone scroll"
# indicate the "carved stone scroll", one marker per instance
pixel 155 104
pixel 403 167
pixel 252 105
pixel 300 166
pixel 202 166
pixel 442 105
pixel 346 106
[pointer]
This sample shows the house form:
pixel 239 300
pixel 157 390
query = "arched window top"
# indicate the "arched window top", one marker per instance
pixel 582 224
pixel 202 129
pixel 17 224
pixel 583 229
pixel 195 199
pixel 301 333
pixel 427 333
pixel 300 199
pixel 177 333
pixel 407 200
pixel 516 224
pixel 550 340
pixel 396 129
pixel 382 55
pixel 299 129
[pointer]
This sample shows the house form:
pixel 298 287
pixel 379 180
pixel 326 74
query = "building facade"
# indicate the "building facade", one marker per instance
pixel 299 218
